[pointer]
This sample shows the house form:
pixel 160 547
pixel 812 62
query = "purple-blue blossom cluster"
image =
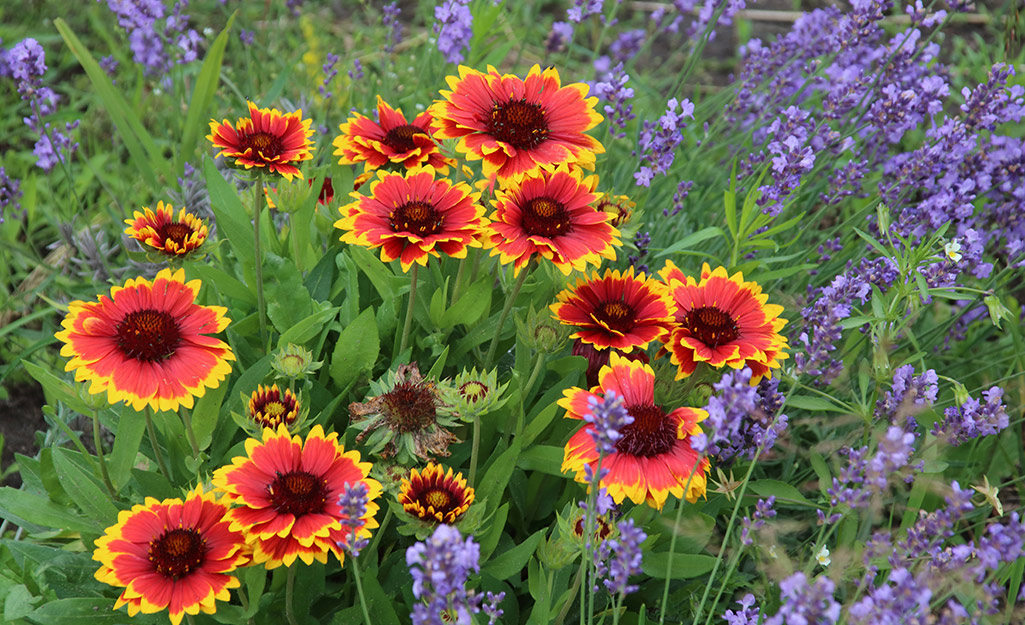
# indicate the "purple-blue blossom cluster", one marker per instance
pixel 583 9
pixel 909 395
pixel 792 158
pixel 609 416
pixel 618 558
pixel 440 566
pixel 743 419
pixel 763 511
pixel 453 23
pixel 865 476
pixel 10 193
pixel 612 90
pixel 806 603
pixel 559 37
pixel 658 140
pixel 25 63
pixel 672 18
pixel 390 18
pixel 353 502
pixel 747 614
pixel 330 71
pixel 829 306
pixel 682 191
pixel 973 419
pixel 154 46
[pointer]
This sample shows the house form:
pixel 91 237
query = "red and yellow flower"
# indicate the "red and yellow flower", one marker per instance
pixel 172 555
pixel 286 491
pixel 147 343
pixel 723 320
pixel 267 139
pixel 161 231
pixel 551 215
pixel 516 126
pixel 270 407
pixel 621 311
pixel 434 495
pixel 654 457
pixel 413 216
pixel 392 139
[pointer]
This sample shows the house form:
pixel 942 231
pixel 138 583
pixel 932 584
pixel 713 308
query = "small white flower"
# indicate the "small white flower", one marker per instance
pixel 772 552
pixel 953 251
pixel 823 556
pixel 208 31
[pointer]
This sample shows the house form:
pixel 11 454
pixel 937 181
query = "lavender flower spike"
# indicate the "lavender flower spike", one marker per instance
pixel 626 558
pixel 440 566
pixel 608 416
pixel 353 502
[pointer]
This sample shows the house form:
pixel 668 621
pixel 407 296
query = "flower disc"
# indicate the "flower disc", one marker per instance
pixel 267 138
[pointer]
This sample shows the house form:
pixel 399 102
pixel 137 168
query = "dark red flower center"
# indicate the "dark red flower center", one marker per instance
pixel 410 407
pixel 602 529
pixel 400 138
pixel 148 335
pixel 419 218
pixel 177 552
pixel 711 326
pixel 652 433
pixel 265 144
pixel 545 217
pixel 327 191
pixel 298 493
pixel 473 391
pixel 176 231
pixel 617 315
pixel 519 123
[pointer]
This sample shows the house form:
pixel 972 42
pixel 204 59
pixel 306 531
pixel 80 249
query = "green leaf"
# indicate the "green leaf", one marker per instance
pixel 543 459
pixel 472 305
pixel 692 239
pixel 381 606
pixel 82 489
pixel 381 276
pixel 225 284
pixel 255 578
pixel 730 203
pixel 308 327
pixel 56 389
pixel 233 223
pixel 818 464
pixel 130 428
pixel 356 350
pixel 203 94
pixel 19 603
pixel 783 492
pixel 685 565
pixel 489 538
pixel 538 424
pixel 505 565
pixel 78 611
pixel 497 476
pixel 288 301
pixel 206 413
pixel 19 506
pixel 806 402
pixel 146 157
pixel 873 242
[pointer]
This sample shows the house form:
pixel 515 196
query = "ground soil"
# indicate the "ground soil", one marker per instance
pixel 21 416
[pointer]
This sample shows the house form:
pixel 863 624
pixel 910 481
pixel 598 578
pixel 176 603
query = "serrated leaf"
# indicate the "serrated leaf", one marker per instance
pixel 85 492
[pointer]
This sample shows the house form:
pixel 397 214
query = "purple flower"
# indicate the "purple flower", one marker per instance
pixel 613 91
pixel 559 37
pixel 50 152
pixel 454 27
pixel 109 64
pixel 865 476
pixel 627 45
pixel 26 63
pixel 247 37
pixel 157 47
pixel 353 502
pixel 390 18
pixel 626 558
pixel 583 9
pixel 10 193
pixel 748 614
pixel 491 606
pixel 641 240
pixel 727 410
pixel 908 396
pixel 440 566
pixel 973 419
pixel 330 71
pixel 806 604
pixel 356 72
pixel 902 599
pixel 763 510
pixel 658 141
pixel 608 416
pixel 682 191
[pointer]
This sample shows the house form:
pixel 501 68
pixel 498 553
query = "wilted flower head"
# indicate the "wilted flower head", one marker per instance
pixel 406 418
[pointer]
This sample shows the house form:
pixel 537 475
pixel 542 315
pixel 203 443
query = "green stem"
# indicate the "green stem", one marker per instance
pixel 295 243
pixel 409 309
pixel 672 541
pixel 569 601
pixel 359 591
pixel 261 305
pixel 502 317
pixel 156 445
pixel 187 419
pixel 457 287
pixel 380 530
pixel 475 448
pixel 289 592
pixel 99 455
pixel 521 416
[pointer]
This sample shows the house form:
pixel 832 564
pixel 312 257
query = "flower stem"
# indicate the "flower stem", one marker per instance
pixel 289 592
pixel 474 448
pixel 380 530
pixel 156 445
pixel 456 288
pixel 99 455
pixel 261 305
pixel 502 317
pixel 359 591
pixel 409 309
pixel 521 415
pixel 672 542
